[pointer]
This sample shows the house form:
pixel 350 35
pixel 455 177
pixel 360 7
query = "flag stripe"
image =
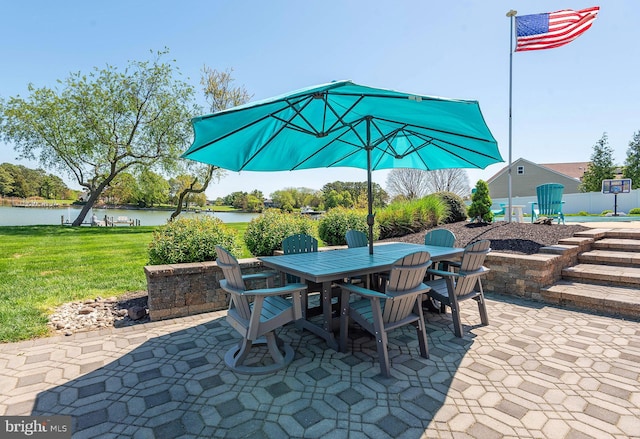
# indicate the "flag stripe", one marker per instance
pixel 555 29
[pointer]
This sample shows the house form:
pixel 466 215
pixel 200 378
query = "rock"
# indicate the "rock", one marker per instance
pixel 136 312
pixel 89 315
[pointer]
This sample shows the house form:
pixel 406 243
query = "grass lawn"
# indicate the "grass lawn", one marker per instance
pixel 42 267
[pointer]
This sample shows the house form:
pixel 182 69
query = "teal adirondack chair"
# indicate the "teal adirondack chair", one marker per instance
pixel 549 202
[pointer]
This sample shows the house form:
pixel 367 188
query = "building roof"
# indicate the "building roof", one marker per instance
pixel 574 170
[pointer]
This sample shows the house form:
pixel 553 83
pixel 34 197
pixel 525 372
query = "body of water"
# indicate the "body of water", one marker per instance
pixel 32 216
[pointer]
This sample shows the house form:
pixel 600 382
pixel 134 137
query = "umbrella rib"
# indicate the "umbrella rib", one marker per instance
pixel 286 124
pixel 230 133
pixel 437 130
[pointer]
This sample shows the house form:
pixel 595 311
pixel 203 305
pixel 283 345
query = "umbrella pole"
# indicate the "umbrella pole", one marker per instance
pixel 370 217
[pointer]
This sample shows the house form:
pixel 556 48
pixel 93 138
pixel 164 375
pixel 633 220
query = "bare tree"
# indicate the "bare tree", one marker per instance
pixel 453 180
pixel 416 183
pixel 221 95
pixel 409 183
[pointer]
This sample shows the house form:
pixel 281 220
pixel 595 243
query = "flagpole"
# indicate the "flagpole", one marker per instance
pixel 512 13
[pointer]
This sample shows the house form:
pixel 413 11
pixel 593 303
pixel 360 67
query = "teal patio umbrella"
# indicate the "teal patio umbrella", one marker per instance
pixel 342 124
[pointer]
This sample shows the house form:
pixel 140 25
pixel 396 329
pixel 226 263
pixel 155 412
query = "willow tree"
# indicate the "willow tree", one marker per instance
pixel 95 126
pixel 220 94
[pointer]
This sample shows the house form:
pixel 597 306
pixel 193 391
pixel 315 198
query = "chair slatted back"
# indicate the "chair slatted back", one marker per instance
pixel 405 277
pixel 299 243
pixel 233 277
pixel 356 238
pixel 440 237
pixel 472 260
pixel 550 198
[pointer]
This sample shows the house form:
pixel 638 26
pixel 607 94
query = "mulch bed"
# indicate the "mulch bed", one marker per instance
pixel 519 238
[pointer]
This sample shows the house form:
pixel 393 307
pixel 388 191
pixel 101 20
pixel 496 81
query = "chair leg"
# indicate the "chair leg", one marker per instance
pixel 272 344
pixel 421 330
pixel 241 352
pixel 482 305
pixel 381 338
pixel 455 314
pixel 344 321
pixel 281 353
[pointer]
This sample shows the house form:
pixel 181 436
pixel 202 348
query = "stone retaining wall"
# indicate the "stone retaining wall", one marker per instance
pixel 525 275
pixel 180 290
pixel 184 289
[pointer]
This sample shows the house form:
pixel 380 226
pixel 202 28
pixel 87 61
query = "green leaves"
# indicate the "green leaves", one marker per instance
pixel 192 240
pixel 98 125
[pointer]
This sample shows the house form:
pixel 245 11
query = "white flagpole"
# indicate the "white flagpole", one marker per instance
pixel 510 14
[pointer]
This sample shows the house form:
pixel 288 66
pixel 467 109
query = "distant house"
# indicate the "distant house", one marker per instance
pixel 526 175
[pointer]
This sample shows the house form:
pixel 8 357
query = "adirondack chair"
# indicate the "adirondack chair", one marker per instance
pixel 442 238
pixel 549 202
pixel 356 238
pixel 301 243
pixel 257 320
pixel 380 312
pixel 499 212
pixel 451 288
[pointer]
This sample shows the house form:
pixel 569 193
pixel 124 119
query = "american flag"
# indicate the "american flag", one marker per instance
pixel 553 29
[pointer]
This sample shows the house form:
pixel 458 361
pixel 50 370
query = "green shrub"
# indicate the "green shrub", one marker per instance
pixel 192 240
pixel 583 213
pixel 634 211
pixel 265 234
pixel 457 210
pixel 406 217
pixel 334 224
pixel 481 203
pixel 605 212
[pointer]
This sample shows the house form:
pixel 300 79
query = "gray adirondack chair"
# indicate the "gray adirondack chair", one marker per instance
pixel 380 312
pixel 256 315
pixel 451 288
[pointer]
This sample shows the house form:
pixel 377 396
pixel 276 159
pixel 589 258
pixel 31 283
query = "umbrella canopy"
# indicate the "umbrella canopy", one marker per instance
pixel 349 125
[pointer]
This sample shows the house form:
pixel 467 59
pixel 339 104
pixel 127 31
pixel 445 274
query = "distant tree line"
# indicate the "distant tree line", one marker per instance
pixel 22 182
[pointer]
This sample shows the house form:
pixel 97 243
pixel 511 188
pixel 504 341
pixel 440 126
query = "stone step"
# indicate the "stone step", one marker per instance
pixel 620 244
pixel 609 233
pixel 610 257
pixel 603 274
pixel 618 301
pixel 623 233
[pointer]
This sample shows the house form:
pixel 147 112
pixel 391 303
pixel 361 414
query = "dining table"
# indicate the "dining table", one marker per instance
pixel 331 266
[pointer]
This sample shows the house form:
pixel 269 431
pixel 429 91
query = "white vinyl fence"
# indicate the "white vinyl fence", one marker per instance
pixel 590 202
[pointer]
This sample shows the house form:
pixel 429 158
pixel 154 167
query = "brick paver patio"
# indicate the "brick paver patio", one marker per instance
pixel 536 372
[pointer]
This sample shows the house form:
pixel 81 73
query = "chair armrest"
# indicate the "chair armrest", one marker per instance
pixel 259 276
pixel 279 291
pixel 479 272
pixel 442 273
pixel 362 291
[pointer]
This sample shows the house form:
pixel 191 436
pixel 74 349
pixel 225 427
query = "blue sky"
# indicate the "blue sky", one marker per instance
pixel 564 99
